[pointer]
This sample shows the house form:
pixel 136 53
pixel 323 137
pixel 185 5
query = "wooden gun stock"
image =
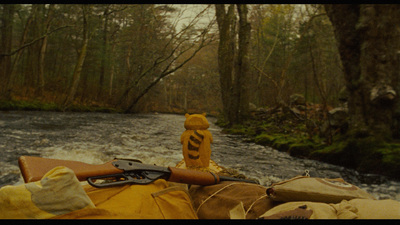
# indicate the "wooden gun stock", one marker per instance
pixel 192 177
pixel 123 171
pixel 34 168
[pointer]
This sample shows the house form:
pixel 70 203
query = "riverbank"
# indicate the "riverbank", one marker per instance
pixel 288 132
pixel 96 138
pixel 35 105
pixel 283 130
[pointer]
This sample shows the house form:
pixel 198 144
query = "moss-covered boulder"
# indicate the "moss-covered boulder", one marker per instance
pixel 280 145
pixel 383 159
pixel 300 149
pixel 264 139
pixel 368 155
pixel 357 150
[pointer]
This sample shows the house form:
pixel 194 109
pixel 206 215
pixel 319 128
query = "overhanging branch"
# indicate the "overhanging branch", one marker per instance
pixel 33 41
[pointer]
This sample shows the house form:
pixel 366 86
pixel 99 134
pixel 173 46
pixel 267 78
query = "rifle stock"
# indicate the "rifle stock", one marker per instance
pixel 192 177
pixel 125 171
pixel 34 168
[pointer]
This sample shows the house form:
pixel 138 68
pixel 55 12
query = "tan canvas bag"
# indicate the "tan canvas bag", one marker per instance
pixel 304 188
pixel 217 201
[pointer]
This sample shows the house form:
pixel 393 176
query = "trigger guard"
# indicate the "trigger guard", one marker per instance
pixel 129 179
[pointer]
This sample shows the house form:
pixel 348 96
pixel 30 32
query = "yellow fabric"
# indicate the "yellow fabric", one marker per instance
pixel 58 192
pixel 320 210
pixel 238 212
pixel 352 209
pixel 344 210
pixel 196 141
pixel 304 188
pixel 157 200
pixel 373 209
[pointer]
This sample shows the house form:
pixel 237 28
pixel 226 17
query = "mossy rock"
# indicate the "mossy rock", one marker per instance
pixel 264 139
pixel 357 149
pixel 382 160
pixel 367 155
pixel 340 153
pixel 283 142
pixel 300 149
pixel 280 145
pixel 235 131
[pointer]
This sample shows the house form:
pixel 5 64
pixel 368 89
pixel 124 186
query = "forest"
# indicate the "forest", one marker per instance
pixel 270 64
pixel 110 54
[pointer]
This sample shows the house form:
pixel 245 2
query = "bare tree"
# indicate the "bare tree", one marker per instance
pixel 169 58
pixel 234 65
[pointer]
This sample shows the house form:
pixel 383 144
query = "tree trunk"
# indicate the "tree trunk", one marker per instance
pixel 110 86
pixel 79 64
pixel 243 63
pixel 104 55
pixel 226 49
pixel 77 74
pixel 43 50
pixel 6 44
pixel 233 65
pixel 368 39
pixel 12 76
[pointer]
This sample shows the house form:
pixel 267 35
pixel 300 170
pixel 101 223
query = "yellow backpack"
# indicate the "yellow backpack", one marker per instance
pixel 59 195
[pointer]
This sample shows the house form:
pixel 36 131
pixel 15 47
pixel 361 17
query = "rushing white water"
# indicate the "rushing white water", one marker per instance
pixel 96 138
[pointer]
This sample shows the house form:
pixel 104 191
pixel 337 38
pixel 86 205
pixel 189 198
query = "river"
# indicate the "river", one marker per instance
pixel 154 139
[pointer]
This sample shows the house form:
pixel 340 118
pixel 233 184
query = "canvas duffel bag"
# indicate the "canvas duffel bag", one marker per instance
pixel 304 188
pixel 217 201
pixel 353 209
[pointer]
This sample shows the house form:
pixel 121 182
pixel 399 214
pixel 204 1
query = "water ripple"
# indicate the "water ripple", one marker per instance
pixel 154 139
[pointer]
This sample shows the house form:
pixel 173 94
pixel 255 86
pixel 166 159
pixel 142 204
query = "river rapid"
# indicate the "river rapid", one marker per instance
pixel 96 138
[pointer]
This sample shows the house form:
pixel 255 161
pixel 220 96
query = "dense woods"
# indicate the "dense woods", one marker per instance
pixel 95 54
pixel 313 62
pixel 155 58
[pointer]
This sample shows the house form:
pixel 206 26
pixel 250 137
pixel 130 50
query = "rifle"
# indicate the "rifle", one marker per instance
pixel 119 172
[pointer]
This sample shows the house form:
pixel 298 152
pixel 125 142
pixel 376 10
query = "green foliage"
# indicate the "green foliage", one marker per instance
pixel 390 158
pixel 221 121
pixel 390 153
